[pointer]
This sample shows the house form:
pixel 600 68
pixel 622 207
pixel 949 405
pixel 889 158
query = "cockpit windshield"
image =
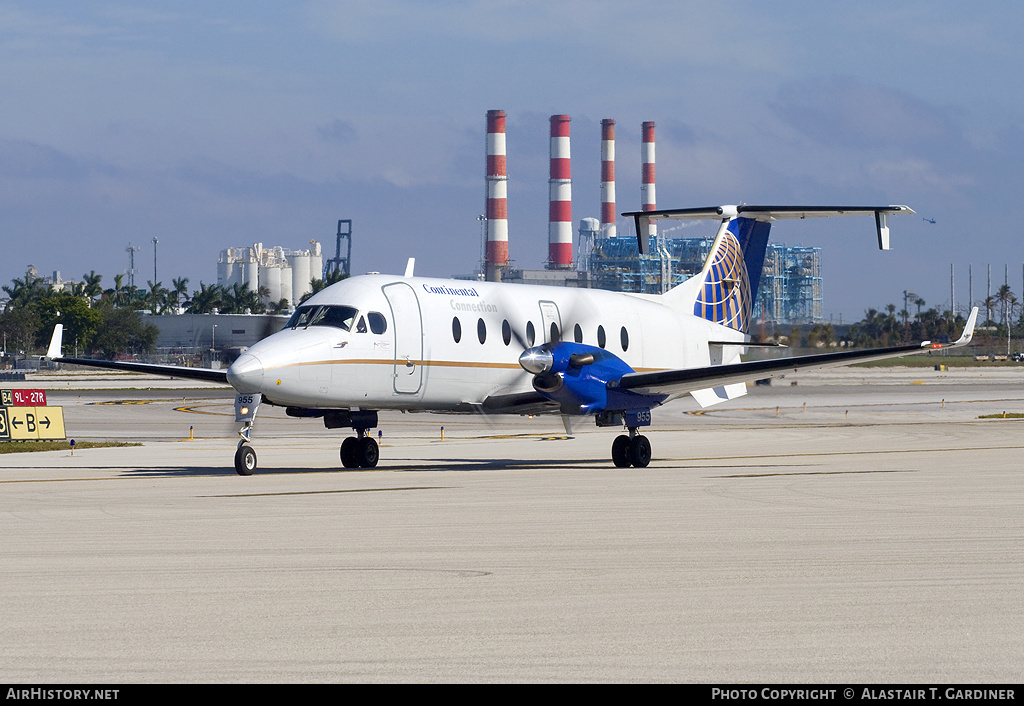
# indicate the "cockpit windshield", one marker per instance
pixel 317 315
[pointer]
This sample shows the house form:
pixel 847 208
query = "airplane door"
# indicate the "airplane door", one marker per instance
pixel 407 323
pixel 548 316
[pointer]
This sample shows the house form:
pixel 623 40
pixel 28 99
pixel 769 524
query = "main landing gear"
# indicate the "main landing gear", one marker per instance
pixel 633 450
pixel 359 451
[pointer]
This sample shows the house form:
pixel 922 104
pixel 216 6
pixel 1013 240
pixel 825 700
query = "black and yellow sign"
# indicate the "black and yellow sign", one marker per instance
pixel 17 423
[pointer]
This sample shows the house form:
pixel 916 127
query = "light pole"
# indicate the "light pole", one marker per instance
pixel 213 343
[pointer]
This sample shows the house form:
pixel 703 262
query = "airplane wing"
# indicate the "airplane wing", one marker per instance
pixel 206 374
pixel 674 382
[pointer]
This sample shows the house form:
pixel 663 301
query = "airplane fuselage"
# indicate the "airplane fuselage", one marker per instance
pixel 385 342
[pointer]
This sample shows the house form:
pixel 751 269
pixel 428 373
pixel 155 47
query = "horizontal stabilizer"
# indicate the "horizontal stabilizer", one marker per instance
pixel 768 214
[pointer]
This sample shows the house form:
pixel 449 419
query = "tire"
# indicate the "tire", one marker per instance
pixel 640 452
pixel 620 451
pixel 349 452
pixel 369 453
pixel 245 460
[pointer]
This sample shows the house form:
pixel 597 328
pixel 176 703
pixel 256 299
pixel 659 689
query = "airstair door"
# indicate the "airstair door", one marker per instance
pixel 407 324
pixel 551 321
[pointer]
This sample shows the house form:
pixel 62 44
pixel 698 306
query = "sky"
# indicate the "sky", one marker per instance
pixel 216 125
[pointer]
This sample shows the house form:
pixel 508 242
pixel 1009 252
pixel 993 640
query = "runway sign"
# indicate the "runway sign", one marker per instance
pixel 23 398
pixel 18 423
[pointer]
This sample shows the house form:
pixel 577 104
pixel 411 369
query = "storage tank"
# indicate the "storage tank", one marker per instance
pixel 250 273
pixel 300 262
pixel 270 277
pixel 286 286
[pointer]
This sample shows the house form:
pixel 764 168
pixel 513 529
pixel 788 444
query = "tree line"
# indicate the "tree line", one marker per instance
pixel 1001 319
pixel 106 322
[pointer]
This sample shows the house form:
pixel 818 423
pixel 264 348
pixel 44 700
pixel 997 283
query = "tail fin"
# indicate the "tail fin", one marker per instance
pixel 725 290
pixel 732 273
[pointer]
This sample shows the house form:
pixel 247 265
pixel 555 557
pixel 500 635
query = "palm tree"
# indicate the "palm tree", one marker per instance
pixel 156 298
pixel 23 292
pixel 205 299
pixel 180 290
pixel 92 288
pixel 1007 303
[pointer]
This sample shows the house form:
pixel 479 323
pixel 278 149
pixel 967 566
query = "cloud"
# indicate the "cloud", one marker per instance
pixel 846 112
pixel 337 131
pixel 27 160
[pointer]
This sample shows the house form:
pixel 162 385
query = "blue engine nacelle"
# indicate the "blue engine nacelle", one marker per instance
pixel 577 377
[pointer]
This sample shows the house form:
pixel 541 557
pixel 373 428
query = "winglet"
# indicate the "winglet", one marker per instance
pixel 965 337
pixel 55 341
pixel 409 267
pixel 968 333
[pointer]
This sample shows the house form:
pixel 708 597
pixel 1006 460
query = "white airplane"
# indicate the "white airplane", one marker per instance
pixel 380 342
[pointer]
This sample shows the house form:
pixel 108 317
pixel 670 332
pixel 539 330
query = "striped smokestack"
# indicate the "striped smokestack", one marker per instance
pixel 608 178
pixel 496 256
pixel 647 195
pixel 560 191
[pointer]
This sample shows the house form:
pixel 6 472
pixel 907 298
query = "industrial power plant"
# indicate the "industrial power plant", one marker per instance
pixel 791 284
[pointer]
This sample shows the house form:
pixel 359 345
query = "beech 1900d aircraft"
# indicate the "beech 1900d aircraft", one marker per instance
pixel 379 342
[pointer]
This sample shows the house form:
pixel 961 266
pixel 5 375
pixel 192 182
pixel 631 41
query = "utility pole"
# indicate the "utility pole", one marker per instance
pixel 155 241
pixel 131 263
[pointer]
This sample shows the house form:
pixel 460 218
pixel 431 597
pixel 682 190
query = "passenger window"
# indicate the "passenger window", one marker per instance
pixel 553 332
pixel 531 335
pixel 481 330
pixel 378 324
pixel 456 329
pixel 600 336
pixel 624 339
pixel 577 334
pixel 506 332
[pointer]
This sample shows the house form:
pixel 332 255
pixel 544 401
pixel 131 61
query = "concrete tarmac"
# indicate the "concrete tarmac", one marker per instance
pixel 875 535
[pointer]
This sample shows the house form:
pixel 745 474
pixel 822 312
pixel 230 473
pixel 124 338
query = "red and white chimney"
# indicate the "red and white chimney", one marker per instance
pixel 496 255
pixel 647 195
pixel 608 215
pixel 560 197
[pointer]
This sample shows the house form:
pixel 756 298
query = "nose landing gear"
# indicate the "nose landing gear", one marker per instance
pixel 245 412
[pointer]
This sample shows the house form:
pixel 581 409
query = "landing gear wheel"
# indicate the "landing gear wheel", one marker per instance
pixel 640 452
pixel 620 451
pixel 245 460
pixel 349 452
pixel 368 453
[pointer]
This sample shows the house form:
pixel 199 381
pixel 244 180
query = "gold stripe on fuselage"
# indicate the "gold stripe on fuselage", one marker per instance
pixel 427 363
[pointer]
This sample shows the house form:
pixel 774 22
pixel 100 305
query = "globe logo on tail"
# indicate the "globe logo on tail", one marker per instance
pixel 725 297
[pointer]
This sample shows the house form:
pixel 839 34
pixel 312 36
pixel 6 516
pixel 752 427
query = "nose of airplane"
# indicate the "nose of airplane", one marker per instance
pixel 246 374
